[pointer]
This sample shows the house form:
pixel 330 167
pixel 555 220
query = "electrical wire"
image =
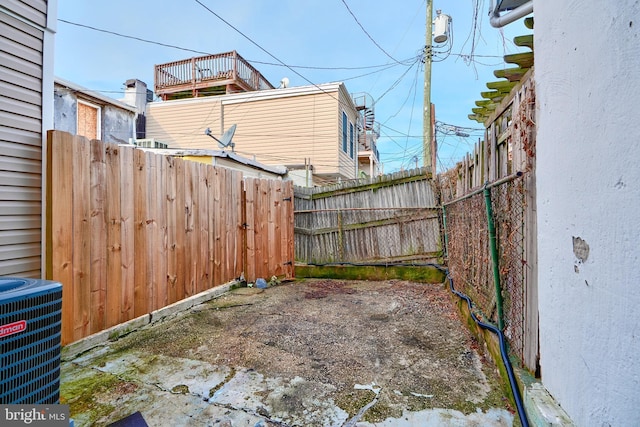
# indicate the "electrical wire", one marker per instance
pixel 140 39
pixel 371 73
pixel 407 61
pixel 256 44
pixel 368 35
pixel 412 90
pixel 274 57
pixel 396 83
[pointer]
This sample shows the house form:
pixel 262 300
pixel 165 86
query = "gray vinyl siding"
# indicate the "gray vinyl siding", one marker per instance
pixel 21 47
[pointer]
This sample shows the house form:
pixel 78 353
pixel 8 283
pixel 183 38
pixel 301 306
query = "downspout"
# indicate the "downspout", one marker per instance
pixel 498 21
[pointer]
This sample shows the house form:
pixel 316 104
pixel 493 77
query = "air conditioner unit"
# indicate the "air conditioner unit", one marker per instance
pixel 151 143
pixel 30 341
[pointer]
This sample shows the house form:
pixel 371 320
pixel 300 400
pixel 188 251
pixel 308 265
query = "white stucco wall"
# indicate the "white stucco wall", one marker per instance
pixel 587 59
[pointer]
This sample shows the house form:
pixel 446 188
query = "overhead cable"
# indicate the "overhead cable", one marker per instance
pixel 406 62
pixel 368 35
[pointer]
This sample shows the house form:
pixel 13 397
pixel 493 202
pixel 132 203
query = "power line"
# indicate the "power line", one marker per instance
pixel 397 82
pixel 407 62
pixel 412 89
pixel 132 37
pixel 290 68
pixel 186 49
pixel 256 44
pixel 368 35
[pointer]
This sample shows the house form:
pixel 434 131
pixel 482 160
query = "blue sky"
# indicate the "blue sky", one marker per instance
pixel 320 35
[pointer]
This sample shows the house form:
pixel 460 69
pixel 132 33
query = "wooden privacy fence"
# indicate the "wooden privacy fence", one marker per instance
pixel 389 219
pixel 131 231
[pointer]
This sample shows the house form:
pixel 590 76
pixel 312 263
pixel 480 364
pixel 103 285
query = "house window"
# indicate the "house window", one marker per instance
pixel 351 140
pixel 344 132
pixel 88 120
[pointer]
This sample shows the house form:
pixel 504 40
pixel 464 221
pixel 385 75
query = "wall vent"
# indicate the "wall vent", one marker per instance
pixel 150 143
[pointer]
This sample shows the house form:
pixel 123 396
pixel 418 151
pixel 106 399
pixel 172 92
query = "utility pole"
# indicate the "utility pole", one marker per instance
pixel 426 125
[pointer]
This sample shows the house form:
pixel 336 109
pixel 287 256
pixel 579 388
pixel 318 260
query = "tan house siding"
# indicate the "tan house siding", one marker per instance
pixel 287 130
pixel 181 123
pixel 278 127
pixel 21 74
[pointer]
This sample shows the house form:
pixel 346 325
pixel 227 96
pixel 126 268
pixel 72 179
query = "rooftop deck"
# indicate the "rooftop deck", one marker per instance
pixel 217 74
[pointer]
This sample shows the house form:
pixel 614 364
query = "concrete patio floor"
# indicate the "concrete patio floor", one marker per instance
pixel 312 352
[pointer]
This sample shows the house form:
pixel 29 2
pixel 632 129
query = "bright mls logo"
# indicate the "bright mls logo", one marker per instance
pixel 36 415
pixel 13 328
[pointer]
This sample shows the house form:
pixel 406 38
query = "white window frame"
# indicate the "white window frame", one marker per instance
pixel 345 133
pixel 352 149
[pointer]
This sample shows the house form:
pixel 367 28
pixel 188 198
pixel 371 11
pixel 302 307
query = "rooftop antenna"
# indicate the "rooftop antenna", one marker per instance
pixel 225 139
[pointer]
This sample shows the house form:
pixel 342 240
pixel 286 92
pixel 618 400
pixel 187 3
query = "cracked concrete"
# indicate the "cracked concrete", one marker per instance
pixel 310 353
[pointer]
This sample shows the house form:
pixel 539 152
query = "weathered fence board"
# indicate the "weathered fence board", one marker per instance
pixel 97 248
pixel 81 228
pixel 393 218
pixel 114 243
pixel 131 231
pixel 141 303
pixel 127 232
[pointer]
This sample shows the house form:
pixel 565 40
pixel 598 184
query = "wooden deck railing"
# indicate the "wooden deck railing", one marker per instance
pixel 208 71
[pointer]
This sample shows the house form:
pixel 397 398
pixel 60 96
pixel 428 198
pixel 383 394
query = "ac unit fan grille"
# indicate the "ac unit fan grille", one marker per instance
pixel 30 359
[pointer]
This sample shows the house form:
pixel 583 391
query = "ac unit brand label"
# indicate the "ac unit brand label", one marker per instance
pixel 13 328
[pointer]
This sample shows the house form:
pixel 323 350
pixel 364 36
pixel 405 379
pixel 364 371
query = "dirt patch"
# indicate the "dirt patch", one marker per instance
pixel 323 288
pixel 344 342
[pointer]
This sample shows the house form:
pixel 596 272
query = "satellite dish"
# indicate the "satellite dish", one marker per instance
pixel 225 139
pixel 284 83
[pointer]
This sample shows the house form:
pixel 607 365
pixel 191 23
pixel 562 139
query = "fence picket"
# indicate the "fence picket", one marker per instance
pixel 140 287
pixel 211 224
pixel 218 226
pixel 127 229
pixel 170 179
pixel 60 227
pixel 160 214
pixel 81 232
pixel 190 248
pixel 180 227
pixel 114 237
pixel 203 229
pixel 98 249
